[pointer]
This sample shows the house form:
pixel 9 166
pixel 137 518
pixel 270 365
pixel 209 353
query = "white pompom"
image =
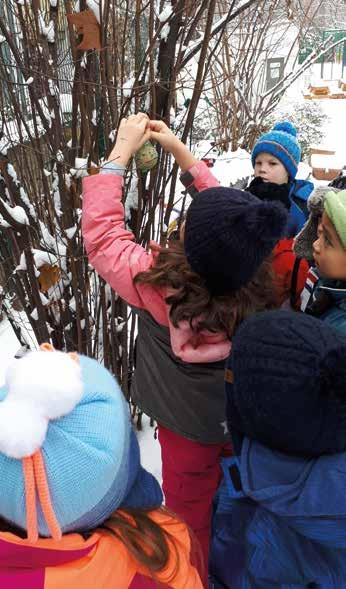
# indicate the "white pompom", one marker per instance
pixel 41 386
pixel 22 429
pixel 51 381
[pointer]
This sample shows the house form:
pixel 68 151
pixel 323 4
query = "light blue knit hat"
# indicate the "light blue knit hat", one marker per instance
pixel 90 452
pixel 282 143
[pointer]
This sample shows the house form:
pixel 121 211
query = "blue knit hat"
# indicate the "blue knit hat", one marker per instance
pixel 75 417
pixel 282 143
pixel 228 234
pixel 289 383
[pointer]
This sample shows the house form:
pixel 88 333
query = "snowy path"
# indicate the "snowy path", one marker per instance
pixel 150 448
pixel 335 126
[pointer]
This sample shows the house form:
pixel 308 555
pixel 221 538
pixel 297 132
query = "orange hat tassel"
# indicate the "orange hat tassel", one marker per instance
pixel 35 479
pixel 30 499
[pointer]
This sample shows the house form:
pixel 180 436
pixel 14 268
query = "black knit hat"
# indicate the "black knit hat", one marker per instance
pixel 228 234
pixel 289 383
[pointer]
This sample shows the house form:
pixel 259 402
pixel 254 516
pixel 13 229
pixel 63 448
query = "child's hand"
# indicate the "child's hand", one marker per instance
pixel 170 142
pixel 163 135
pixel 133 132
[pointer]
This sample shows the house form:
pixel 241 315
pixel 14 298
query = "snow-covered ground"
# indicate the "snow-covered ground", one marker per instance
pixel 335 127
pixel 150 450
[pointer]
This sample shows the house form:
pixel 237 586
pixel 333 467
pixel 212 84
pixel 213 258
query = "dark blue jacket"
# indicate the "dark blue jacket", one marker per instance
pixel 280 521
pixel 333 308
pixel 336 314
pixel 300 191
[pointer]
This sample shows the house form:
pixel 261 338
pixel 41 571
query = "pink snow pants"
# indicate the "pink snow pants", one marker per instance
pixel 191 474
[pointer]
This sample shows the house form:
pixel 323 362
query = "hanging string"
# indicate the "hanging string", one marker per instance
pixel 30 499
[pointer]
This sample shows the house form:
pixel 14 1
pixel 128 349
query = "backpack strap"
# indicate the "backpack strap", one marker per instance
pixel 294 280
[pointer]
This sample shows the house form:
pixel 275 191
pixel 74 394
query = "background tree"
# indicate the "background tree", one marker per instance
pixel 242 98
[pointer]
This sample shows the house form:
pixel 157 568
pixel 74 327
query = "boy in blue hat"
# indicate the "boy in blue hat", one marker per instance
pixel 280 512
pixel 275 158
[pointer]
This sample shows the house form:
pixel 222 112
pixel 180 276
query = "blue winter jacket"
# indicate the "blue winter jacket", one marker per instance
pixel 333 311
pixel 300 191
pixel 280 522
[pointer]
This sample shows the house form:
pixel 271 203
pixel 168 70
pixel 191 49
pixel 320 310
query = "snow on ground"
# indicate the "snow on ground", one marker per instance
pixel 335 127
pixel 230 166
pixel 150 449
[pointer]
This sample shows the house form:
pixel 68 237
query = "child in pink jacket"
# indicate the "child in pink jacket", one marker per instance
pixel 189 297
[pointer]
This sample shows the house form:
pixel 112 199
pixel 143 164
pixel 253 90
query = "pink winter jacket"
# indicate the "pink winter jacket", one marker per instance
pixel 115 255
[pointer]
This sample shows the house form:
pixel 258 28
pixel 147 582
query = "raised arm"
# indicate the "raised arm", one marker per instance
pixel 111 248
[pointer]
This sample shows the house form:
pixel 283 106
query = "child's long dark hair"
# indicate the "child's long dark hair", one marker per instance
pixel 150 544
pixel 191 299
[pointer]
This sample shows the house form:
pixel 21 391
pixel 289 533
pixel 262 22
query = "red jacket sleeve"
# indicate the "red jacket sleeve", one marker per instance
pixel 283 265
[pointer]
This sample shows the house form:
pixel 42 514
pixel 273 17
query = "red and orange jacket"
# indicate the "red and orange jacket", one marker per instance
pixel 101 562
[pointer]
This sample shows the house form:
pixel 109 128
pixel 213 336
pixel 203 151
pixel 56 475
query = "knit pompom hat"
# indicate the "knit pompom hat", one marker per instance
pixel 289 390
pixel 228 234
pixel 335 208
pixel 68 454
pixel 306 237
pixel 281 142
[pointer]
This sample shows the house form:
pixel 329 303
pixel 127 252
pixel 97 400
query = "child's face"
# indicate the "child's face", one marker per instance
pixel 270 169
pixel 328 251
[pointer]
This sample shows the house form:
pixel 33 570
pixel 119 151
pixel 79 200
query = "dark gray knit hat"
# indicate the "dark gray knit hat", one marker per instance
pixel 228 234
pixel 289 390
